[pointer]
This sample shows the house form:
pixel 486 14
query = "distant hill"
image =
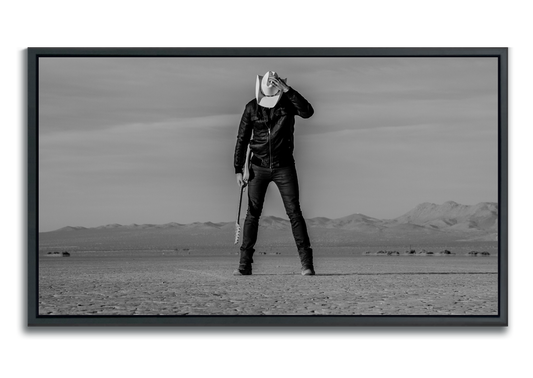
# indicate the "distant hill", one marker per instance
pixel 483 216
pixel 70 228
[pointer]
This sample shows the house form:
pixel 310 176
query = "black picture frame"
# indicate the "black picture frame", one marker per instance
pixel 30 328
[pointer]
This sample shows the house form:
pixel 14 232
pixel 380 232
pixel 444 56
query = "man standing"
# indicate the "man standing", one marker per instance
pixel 267 124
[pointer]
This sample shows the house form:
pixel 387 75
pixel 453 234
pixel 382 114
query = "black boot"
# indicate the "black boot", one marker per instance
pixel 245 264
pixel 306 257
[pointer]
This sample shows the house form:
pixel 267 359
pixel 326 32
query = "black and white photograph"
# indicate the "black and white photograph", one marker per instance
pixel 260 185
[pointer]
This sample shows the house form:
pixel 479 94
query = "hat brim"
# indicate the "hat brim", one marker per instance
pixel 262 100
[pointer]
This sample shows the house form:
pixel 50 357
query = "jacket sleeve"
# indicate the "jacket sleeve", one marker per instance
pixel 302 106
pixel 243 139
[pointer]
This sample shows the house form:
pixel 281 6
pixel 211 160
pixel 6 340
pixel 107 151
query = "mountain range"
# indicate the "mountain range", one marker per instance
pixel 463 222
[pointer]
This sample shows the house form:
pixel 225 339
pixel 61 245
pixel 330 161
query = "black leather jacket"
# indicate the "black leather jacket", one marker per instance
pixel 272 142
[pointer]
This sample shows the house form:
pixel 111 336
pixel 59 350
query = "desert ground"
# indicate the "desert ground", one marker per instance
pixel 188 283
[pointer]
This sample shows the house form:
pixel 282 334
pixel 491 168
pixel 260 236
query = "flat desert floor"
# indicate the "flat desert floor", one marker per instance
pixel 166 283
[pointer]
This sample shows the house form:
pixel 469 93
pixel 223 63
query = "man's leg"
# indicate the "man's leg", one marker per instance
pixel 257 186
pixel 287 181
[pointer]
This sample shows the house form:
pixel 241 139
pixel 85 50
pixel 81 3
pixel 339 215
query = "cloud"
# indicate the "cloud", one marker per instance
pixel 377 92
pixel 99 93
pixel 138 145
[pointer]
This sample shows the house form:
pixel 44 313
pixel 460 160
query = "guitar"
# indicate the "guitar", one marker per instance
pixel 245 177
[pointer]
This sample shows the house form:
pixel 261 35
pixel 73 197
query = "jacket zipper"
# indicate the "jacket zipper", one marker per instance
pixel 269 148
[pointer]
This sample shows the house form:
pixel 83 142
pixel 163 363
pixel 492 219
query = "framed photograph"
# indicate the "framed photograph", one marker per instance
pixel 285 187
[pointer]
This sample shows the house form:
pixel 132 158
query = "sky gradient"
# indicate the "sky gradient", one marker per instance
pixel 151 140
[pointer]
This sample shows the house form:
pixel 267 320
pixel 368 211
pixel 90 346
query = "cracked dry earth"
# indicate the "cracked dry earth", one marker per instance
pixel 157 284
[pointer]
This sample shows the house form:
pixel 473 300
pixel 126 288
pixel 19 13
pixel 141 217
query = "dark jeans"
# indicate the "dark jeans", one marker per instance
pixel 287 182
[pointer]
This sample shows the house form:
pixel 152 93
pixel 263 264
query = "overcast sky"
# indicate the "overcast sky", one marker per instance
pixel 151 140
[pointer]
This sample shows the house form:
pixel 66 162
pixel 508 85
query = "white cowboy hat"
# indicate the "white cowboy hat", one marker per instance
pixel 266 94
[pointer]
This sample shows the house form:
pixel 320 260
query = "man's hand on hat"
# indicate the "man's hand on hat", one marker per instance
pixel 279 83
